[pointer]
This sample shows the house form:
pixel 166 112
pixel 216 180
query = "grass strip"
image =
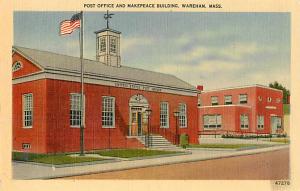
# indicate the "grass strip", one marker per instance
pixel 131 153
pixel 56 159
pixel 280 140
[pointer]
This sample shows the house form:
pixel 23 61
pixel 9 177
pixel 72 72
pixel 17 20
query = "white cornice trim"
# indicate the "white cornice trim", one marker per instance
pixel 241 87
pixel 27 58
pixel 215 106
pixel 101 81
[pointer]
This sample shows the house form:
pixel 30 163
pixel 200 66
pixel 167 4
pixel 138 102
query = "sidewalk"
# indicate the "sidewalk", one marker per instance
pixel 30 171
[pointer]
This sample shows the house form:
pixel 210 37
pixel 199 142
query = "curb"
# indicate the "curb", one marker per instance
pixel 211 149
pixel 238 149
pixel 158 156
pixel 69 165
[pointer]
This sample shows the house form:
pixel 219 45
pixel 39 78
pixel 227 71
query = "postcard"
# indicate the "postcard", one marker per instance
pixel 161 94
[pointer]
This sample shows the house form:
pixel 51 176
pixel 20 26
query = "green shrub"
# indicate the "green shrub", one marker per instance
pixel 245 136
pixel 184 140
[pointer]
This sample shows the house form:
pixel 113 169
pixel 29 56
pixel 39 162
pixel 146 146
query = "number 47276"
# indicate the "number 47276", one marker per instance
pixel 282 182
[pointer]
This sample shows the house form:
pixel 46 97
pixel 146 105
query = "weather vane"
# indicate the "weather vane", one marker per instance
pixel 107 16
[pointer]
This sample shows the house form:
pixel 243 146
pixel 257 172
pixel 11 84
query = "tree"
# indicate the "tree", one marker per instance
pixel 285 91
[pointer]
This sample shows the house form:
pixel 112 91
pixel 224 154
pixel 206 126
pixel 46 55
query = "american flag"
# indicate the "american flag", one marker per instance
pixel 68 26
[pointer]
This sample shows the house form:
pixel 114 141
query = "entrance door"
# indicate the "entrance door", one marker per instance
pixel 139 121
pixel 136 125
pixel 274 124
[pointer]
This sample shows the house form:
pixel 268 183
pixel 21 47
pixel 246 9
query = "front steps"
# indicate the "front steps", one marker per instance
pixel 158 142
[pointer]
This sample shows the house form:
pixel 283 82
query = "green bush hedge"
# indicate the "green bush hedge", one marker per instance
pixel 251 136
pixel 184 140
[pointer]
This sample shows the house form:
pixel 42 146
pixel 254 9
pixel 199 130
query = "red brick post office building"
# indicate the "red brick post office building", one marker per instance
pixel 46 101
pixel 253 109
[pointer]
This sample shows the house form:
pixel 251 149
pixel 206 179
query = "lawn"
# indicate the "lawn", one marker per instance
pixel 225 146
pixel 130 153
pixel 56 159
pixel 280 140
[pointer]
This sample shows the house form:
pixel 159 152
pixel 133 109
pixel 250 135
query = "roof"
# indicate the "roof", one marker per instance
pixel 107 29
pixel 49 60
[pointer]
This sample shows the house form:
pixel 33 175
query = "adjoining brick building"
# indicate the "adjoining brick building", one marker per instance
pixel 46 101
pixel 250 109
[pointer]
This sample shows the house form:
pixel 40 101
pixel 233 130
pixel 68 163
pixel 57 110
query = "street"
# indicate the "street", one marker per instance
pixel 272 165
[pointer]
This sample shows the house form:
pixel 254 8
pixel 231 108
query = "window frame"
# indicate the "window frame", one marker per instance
pixel 199 101
pixel 113 112
pixel 214 102
pixel 182 117
pixel 279 121
pixel 102 44
pixel 165 116
pixel 243 101
pixel 242 122
pixel 23 111
pixel 259 125
pixel 26 146
pixel 228 103
pixel 214 126
pixel 82 115
pixel 113 46
pixel 18 65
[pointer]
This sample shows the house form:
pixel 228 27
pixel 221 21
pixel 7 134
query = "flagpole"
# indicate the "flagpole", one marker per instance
pixel 82 93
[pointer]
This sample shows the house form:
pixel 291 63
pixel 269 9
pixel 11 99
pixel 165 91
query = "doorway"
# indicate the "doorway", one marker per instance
pixel 275 124
pixel 138 121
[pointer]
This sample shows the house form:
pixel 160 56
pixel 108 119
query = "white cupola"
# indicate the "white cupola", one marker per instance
pixel 108 45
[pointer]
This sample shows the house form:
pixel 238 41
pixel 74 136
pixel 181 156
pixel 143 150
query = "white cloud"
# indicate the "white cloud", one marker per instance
pixel 205 68
pixel 234 51
pixel 216 66
pixel 239 50
pixel 132 43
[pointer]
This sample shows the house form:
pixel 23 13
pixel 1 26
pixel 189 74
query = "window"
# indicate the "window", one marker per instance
pixel 27 110
pixel 108 112
pixel 133 117
pixel 182 115
pixel 17 66
pixel 212 121
pixel 260 122
pixel 26 146
pixel 102 44
pixel 278 123
pixel 278 100
pixel 259 98
pixel 244 121
pixel 199 101
pixel 228 100
pixel 269 99
pixel 75 110
pixel 243 98
pixel 164 114
pixel 113 44
pixel 214 100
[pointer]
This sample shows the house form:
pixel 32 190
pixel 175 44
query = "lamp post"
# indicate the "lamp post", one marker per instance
pixel 176 115
pixel 148 113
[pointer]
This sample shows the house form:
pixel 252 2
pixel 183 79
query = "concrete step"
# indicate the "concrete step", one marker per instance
pixel 158 142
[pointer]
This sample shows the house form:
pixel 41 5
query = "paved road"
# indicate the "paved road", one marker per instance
pixel 263 166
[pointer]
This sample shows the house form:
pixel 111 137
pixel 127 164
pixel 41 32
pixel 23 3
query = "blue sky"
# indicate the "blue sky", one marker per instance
pixel 212 49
